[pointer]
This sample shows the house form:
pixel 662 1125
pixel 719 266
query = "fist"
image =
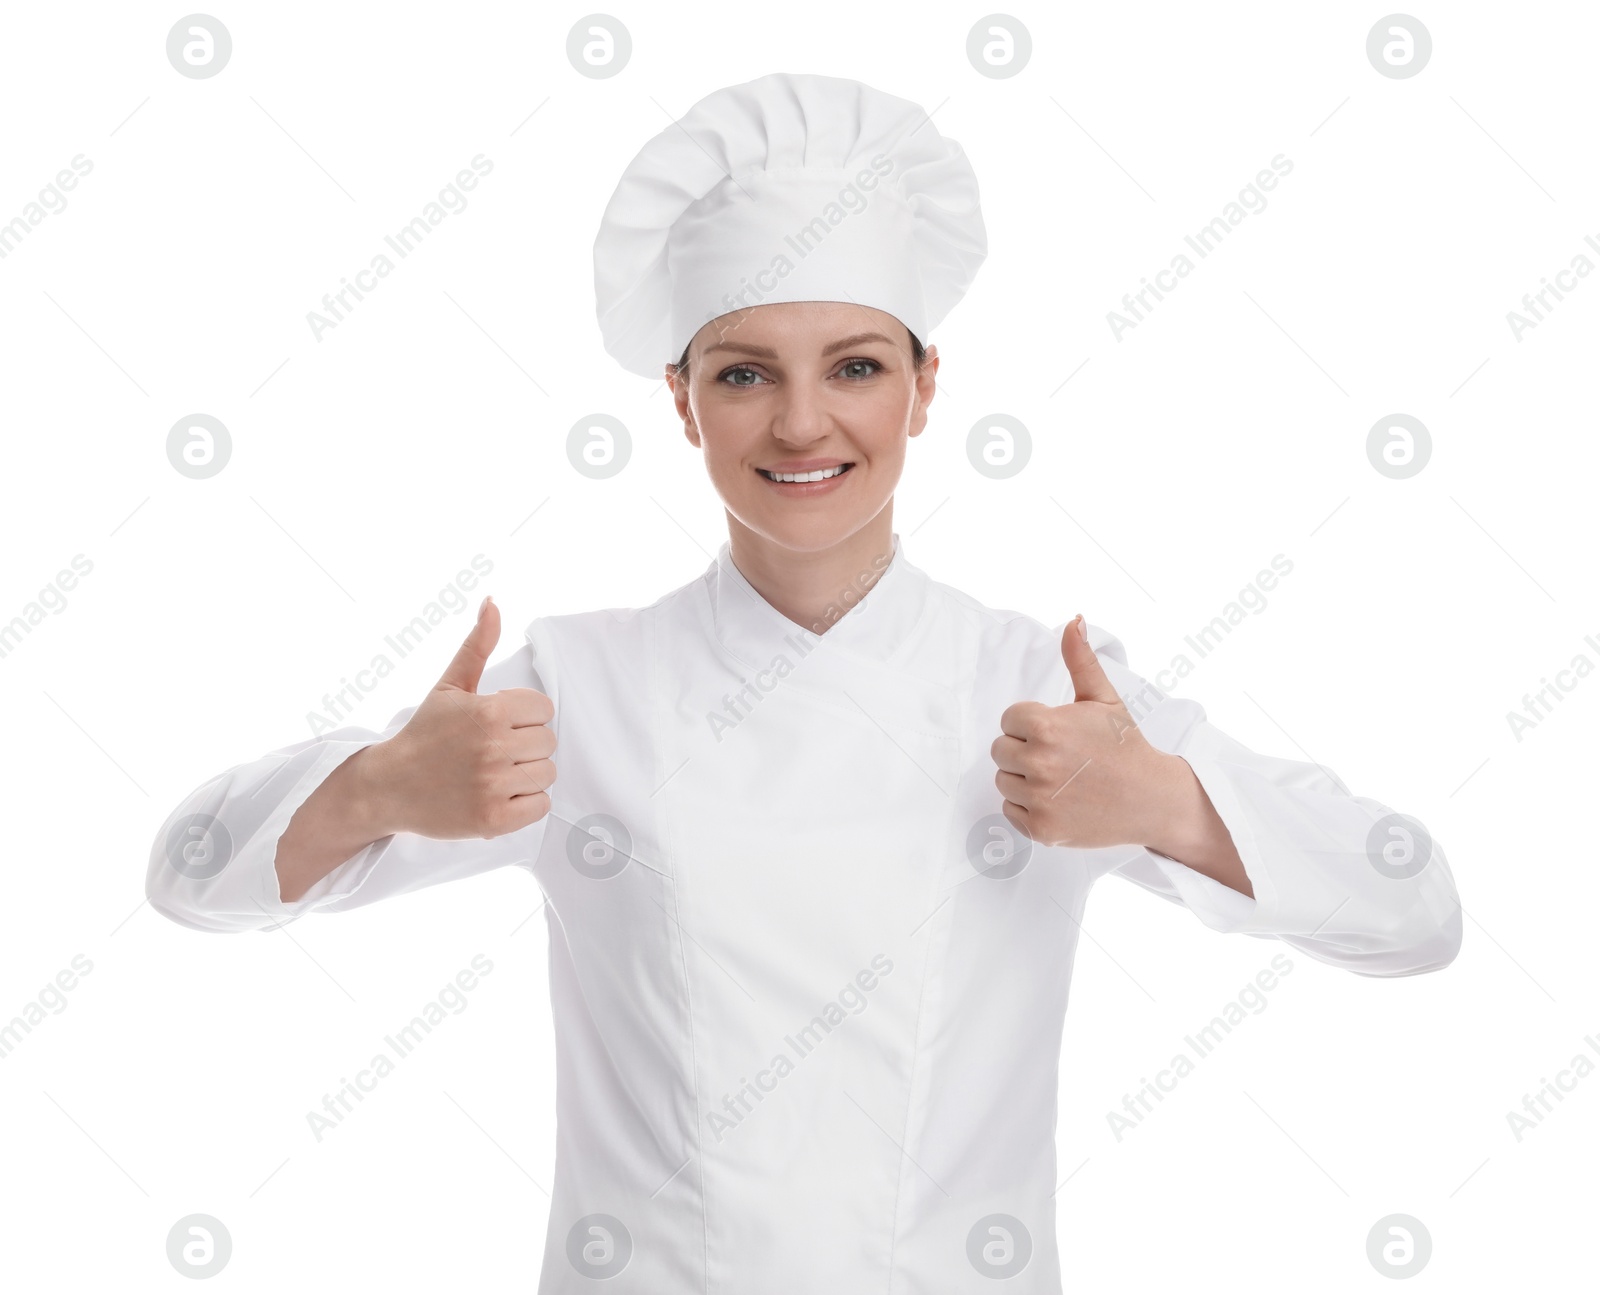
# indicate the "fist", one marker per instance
pixel 467 764
pixel 1080 775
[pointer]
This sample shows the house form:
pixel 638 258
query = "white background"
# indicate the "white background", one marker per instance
pixel 369 466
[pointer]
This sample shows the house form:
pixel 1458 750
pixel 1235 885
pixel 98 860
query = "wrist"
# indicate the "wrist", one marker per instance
pixel 370 776
pixel 1180 827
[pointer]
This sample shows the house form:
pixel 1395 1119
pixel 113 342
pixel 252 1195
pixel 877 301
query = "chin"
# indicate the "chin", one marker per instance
pixel 814 533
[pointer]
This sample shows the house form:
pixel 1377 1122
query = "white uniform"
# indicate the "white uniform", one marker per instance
pixel 808 984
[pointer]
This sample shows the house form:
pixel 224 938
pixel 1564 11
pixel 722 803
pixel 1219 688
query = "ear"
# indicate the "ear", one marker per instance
pixel 926 388
pixel 679 386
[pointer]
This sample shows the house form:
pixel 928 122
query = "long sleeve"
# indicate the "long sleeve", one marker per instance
pixel 1342 878
pixel 213 864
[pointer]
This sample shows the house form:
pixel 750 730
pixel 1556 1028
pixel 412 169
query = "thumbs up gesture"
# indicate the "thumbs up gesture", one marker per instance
pixel 1082 775
pixel 469 764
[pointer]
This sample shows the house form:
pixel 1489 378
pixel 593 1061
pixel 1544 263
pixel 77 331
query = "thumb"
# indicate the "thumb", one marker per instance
pixel 1089 680
pixel 466 667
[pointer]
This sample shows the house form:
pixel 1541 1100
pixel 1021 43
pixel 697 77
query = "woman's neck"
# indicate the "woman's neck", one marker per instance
pixel 814 588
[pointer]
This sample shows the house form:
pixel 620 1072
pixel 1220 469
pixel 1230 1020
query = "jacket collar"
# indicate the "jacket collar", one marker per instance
pixel 874 624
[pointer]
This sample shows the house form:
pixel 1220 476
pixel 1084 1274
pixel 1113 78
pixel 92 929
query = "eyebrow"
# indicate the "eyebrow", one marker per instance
pixel 767 353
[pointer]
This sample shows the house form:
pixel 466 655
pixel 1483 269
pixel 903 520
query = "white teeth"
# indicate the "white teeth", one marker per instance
pixel 821 474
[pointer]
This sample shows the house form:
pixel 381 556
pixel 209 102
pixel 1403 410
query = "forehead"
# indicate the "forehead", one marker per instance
pixel 799 327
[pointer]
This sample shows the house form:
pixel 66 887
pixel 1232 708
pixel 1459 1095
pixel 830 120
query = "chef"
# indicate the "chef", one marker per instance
pixel 823 828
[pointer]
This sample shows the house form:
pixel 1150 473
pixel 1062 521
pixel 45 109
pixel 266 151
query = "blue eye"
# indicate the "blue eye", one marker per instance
pixel 732 376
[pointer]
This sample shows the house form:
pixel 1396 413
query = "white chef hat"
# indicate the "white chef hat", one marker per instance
pixel 790 187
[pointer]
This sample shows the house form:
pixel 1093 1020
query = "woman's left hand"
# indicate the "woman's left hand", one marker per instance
pixel 1083 775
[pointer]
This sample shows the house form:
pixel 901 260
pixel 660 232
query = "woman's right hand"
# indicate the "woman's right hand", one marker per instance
pixel 466 764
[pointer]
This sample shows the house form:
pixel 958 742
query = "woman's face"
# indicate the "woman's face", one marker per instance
pixel 798 388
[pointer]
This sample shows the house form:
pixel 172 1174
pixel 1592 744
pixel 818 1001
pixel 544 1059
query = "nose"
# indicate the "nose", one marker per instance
pixel 801 417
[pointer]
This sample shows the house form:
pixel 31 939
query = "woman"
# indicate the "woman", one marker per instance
pixel 824 828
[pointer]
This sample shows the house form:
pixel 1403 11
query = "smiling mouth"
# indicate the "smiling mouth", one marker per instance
pixel 818 474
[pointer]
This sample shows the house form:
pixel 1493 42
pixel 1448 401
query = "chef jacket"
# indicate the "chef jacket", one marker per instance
pixel 808 984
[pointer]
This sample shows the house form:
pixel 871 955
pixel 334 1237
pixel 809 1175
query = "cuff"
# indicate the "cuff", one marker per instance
pixel 1221 907
pixel 344 880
